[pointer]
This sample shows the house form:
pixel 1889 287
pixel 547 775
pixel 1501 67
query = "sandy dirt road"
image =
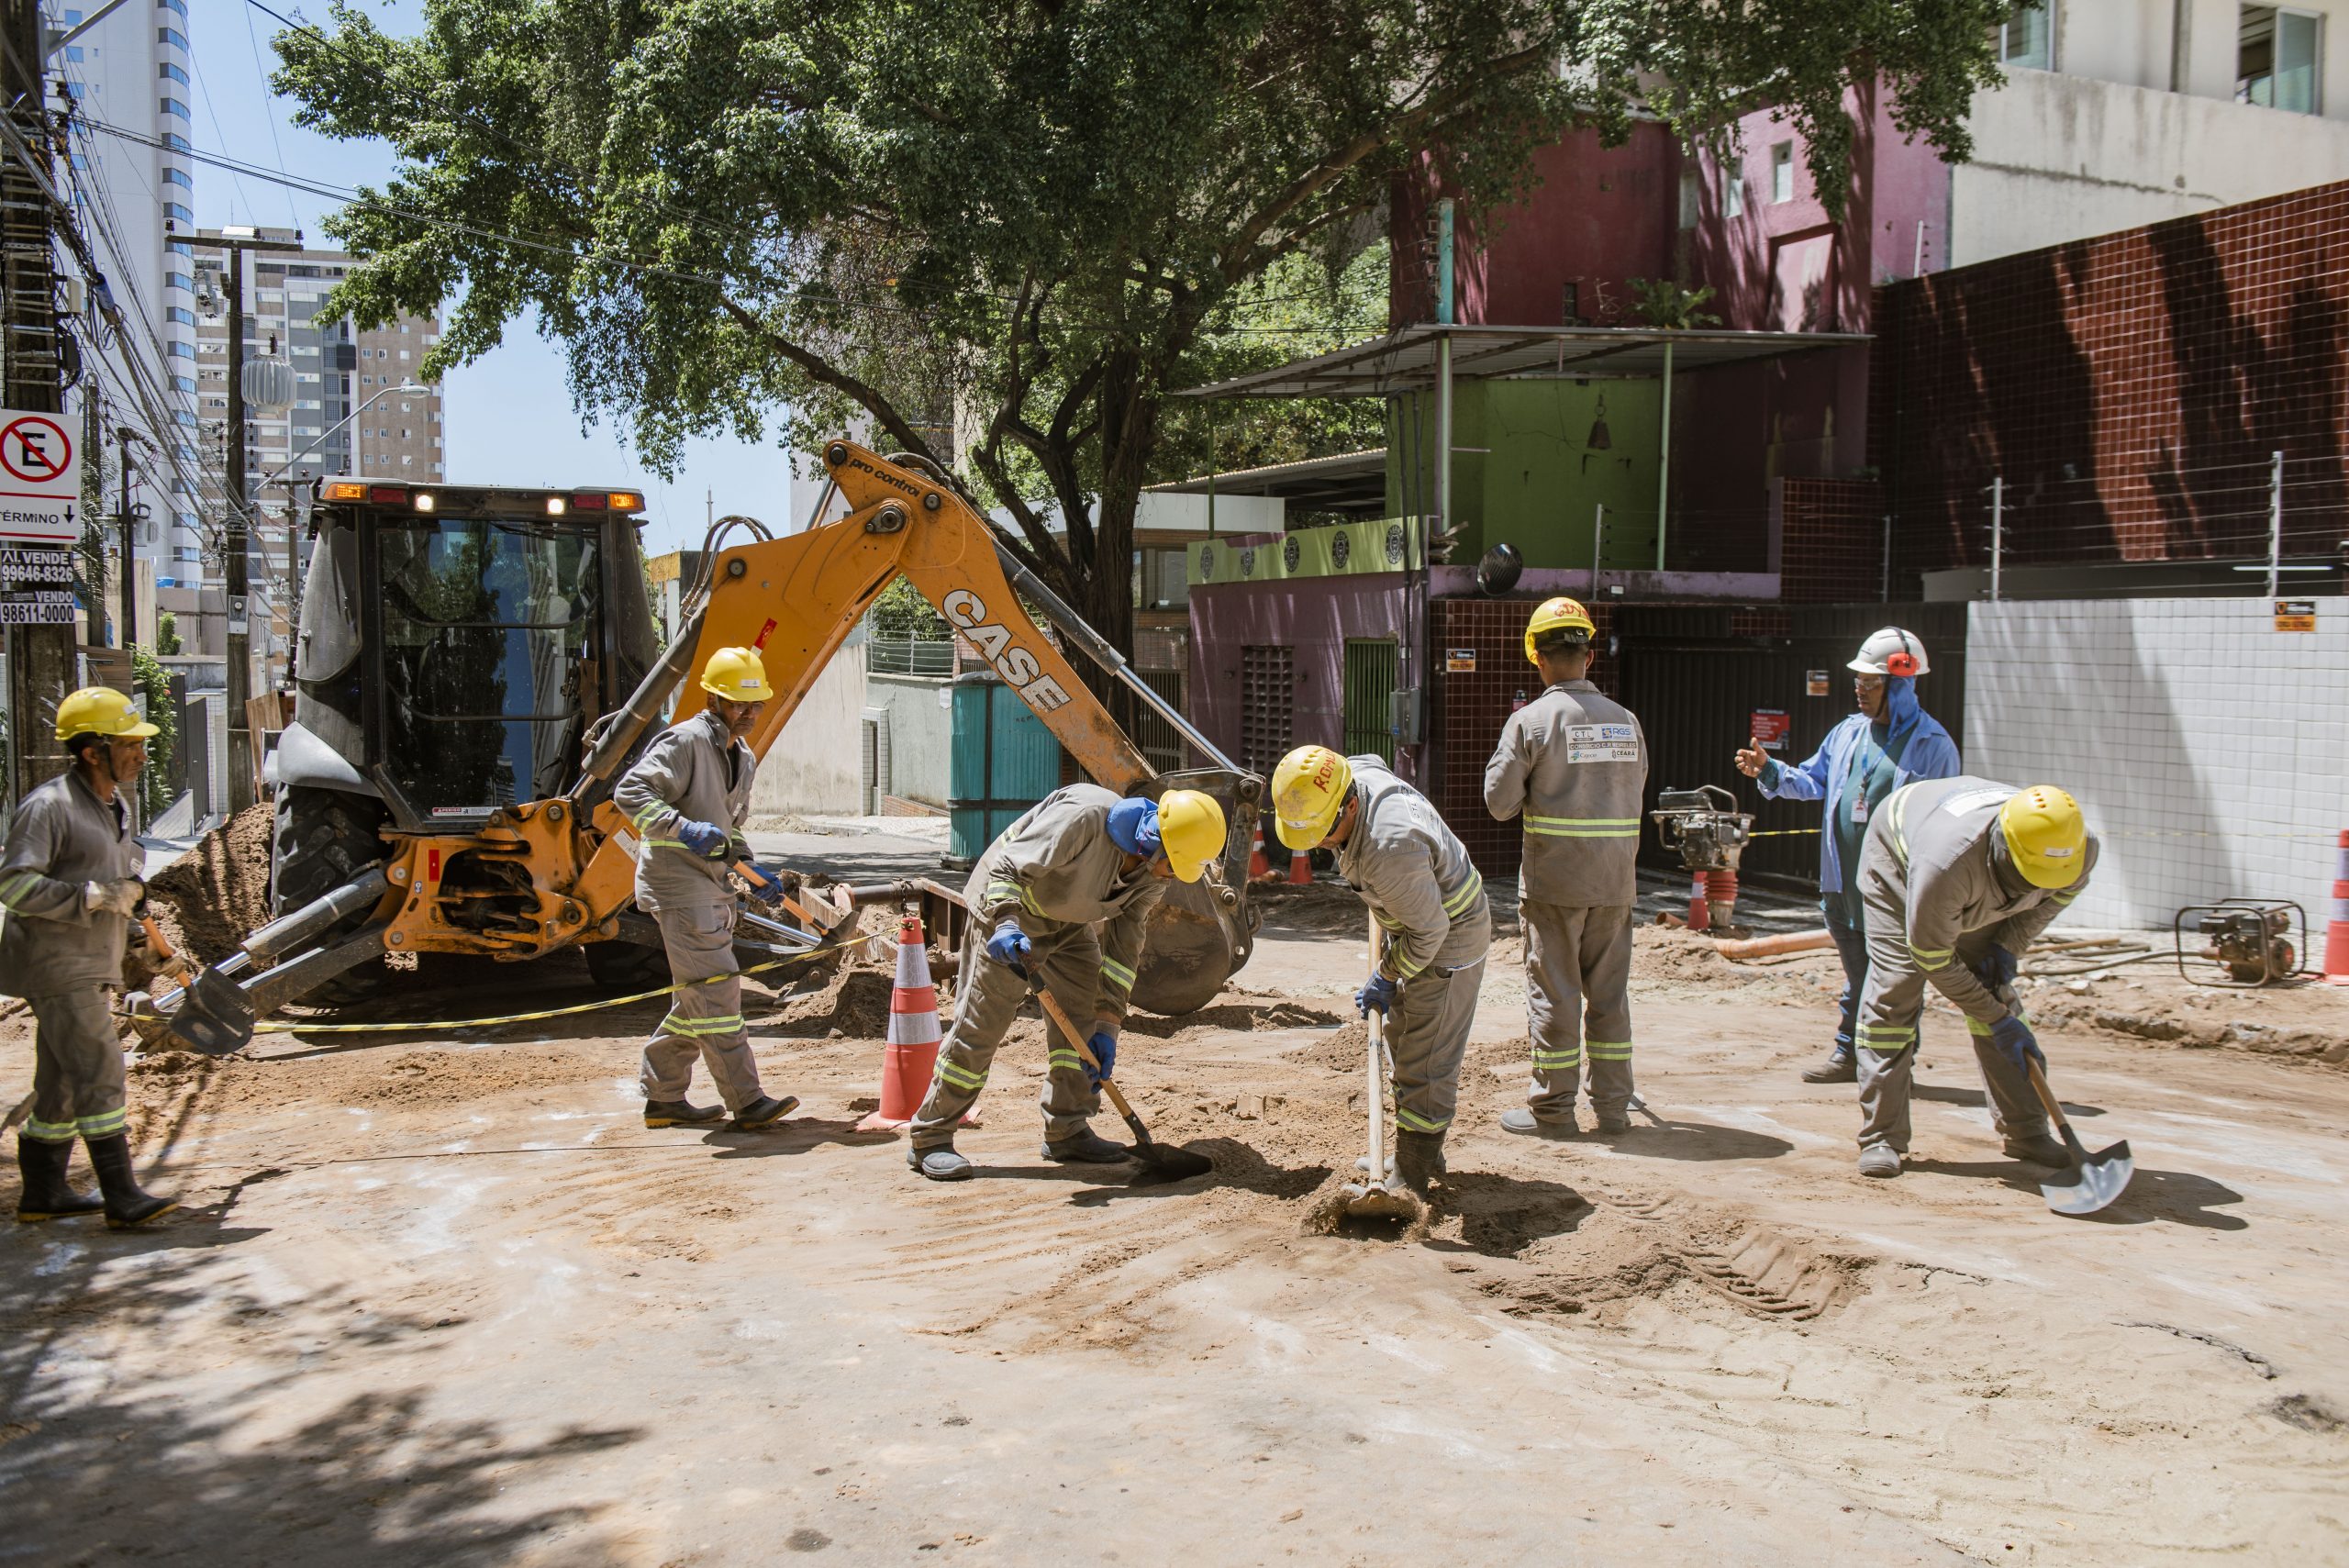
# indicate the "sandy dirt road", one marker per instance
pixel 445 1300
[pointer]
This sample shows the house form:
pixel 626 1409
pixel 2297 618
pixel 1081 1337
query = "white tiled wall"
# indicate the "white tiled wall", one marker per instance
pixel 2209 749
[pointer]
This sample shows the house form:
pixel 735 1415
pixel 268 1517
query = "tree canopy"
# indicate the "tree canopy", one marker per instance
pixel 1002 231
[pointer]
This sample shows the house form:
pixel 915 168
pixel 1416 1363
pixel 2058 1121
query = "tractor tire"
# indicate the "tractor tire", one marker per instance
pixel 324 838
pixel 623 967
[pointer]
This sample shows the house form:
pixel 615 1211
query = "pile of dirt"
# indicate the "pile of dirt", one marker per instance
pixel 2304 1022
pixel 412 1079
pixel 853 1003
pixel 218 894
pixel 1229 1016
pixel 1342 1050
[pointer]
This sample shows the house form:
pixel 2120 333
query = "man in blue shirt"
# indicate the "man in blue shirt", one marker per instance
pixel 1890 742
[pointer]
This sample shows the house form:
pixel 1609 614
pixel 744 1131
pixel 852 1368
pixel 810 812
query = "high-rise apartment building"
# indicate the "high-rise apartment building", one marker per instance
pixel 350 414
pixel 132 186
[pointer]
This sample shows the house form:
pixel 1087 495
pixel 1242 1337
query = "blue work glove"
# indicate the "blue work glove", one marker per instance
pixel 1996 968
pixel 1377 992
pixel 769 890
pixel 1104 1046
pixel 1010 947
pixel 704 838
pixel 2016 1043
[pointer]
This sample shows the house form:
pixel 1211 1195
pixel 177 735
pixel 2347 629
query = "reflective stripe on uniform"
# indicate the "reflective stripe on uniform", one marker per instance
pixel 647 815
pixel 1117 975
pixel 41 1131
pixel 1417 1123
pixel 1583 826
pixel 694 1027
pixel 998 892
pixel 1460 903
pixel 1057 1058
pixel 1405 967
pixel 1556 1060
pixel 14 883
pixel 105 1124
pixel 1931 959
pixel 961 1078
pixel 1885 1041
pixel 1896 806
pixel 1608 1050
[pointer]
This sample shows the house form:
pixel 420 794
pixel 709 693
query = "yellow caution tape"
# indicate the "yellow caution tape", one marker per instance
pixel 261 1029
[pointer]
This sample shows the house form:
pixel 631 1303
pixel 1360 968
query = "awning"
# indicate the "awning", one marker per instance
pixel 1349 481
pixel 1406 360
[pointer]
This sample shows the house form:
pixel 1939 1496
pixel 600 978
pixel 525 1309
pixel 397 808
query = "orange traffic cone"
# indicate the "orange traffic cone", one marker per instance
pixel 2336 932
pixel 1259 868
pixel 912 1053
pixel 1300 869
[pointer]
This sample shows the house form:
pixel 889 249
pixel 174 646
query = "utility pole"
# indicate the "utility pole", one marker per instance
pixel 234 543
pixel 128 520
pixel 41 657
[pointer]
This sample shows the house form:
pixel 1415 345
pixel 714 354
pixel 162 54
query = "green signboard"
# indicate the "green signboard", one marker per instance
pixel 1385 544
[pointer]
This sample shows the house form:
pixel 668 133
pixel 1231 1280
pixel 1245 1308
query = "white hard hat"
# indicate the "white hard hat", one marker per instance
pixel 1891 651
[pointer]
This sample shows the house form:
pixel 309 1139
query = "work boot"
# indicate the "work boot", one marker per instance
pixel 680 1113
pixel 1879 1159
pixel 764 1111
pixel 2038 1149
pixel 1524 1119
pixel 125 1205
pixel 1612 1123
pixel 1841 1067
pixel 47 1194
pixel 1418 1158
pixel 1086 1148
pixel 939 1163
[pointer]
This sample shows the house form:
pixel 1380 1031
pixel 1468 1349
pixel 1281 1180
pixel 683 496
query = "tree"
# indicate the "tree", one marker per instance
pixel 1025 222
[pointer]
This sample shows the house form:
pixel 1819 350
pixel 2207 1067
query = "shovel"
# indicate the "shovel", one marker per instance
pixel 1165 1163
pixel 1380 1195
pixel 2094 1180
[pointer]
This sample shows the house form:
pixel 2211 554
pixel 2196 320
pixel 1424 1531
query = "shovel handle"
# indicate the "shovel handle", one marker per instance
pixel 2047 1096
pixel 1059 1015
pixel 749 874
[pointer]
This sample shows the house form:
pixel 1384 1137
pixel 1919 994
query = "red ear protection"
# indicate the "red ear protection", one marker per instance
pixel 1903 664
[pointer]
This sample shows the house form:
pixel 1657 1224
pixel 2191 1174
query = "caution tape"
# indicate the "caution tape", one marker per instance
pixel 1780 832
pixel 820 950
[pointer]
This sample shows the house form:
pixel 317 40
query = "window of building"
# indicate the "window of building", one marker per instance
pixel 2025 38
pixel 170 73
pixel 174 106
pixel 179 280
pixel 2276 59
pixel 175 38
pixel 178 8
pixel 179 214
pixel 179 350
pixel 1689 188
pixel 72 18
pixel 179 314
pixel 179 177
pixel 182 383
pixel 72 54
pixel 1733 190
pixel 1782 171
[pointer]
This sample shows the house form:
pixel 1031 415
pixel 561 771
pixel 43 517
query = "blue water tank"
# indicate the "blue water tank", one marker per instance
pixel 1004 761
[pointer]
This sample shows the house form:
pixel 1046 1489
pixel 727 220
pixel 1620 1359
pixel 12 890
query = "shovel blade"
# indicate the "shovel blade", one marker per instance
pixel 214 1018
pixel 2092 1183
pixel 1376 1201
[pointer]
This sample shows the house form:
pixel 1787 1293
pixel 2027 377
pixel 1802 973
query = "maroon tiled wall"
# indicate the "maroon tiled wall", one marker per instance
pixel 2127 389
pixel 1471 707
pixel 1831 540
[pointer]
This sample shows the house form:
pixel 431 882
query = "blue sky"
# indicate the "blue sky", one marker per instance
pixel 510 417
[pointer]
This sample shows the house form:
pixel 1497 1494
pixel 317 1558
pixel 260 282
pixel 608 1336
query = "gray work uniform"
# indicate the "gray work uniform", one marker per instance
pixel 1934 906
pixel 1428 901
pixel 63 959
pixel 1058 872
pixel 1574 763
pixel 694 770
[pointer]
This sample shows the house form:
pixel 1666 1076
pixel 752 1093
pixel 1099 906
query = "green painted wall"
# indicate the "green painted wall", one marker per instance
pixel 1538 485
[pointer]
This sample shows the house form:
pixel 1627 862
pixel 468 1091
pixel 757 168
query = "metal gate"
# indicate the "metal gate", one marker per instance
pixel 1370 697
pixel 1267 694
pixel 1161 746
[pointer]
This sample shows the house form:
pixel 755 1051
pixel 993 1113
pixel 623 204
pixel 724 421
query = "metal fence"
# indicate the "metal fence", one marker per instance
pixel 909 656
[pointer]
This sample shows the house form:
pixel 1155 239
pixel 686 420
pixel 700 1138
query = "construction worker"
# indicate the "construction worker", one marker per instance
pixel 70 881
pixel 1573 763
pixel 1957 877
pixel 1079 856
pixel 1428 902
pixel 687 798
pixel 1890 741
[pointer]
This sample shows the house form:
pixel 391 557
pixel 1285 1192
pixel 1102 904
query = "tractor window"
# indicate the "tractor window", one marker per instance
pixel 489 633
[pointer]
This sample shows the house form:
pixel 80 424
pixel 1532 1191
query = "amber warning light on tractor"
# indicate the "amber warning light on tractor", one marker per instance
pixel 346 490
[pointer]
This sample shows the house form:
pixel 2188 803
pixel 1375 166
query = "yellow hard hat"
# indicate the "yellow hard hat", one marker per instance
pixel 101 710
pixel 1560 613
pixel 2046 834
pixel 1191 832
pixel 1309 791
pixel 737 675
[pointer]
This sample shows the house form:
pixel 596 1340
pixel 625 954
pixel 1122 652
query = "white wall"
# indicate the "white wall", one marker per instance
pixel 921 734
pixel 816 764
pixel 2059 157
pixel 2209 750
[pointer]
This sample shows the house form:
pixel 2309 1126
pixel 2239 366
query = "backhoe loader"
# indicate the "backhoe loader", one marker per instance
pixel 517 880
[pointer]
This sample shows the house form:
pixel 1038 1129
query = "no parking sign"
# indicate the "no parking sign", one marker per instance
pixel 40 479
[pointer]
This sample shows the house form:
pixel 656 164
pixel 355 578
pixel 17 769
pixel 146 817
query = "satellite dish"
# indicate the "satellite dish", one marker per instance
pixel 1499 570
